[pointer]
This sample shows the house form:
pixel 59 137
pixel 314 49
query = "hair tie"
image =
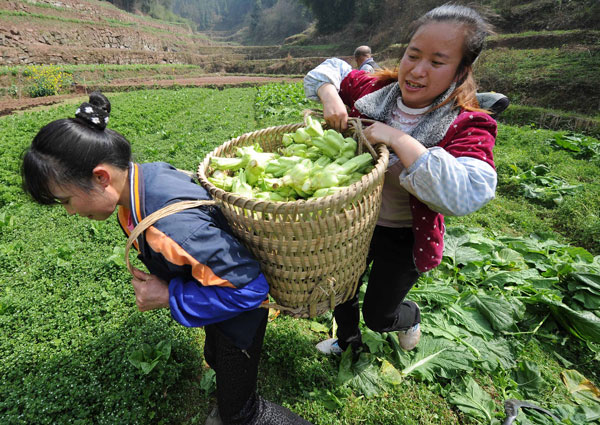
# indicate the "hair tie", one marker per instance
pixel 95 112
pixel 93 115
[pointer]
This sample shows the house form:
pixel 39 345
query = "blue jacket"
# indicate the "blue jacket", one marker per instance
pixel 212 276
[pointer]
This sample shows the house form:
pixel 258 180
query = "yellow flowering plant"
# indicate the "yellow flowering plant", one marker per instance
pixel 47 80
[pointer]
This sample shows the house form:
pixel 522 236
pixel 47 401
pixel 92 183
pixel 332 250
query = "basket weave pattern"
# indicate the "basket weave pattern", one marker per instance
pixel 312 252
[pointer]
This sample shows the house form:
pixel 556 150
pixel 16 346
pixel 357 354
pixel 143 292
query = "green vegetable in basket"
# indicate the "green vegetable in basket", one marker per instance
pixel 221 163
pixel 314 128
pixel 313 163
pixel 326 191
pixel 358 163
pixel 221 180
pixel 278 167
pixel 270 196
pixel 297 176
pixel 287 139
pixel 240 186
pixel 349 148
pixel 301 136
pixel 331 143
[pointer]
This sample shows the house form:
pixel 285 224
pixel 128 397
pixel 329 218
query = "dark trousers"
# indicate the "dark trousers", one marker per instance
pixel 392 275
pixel 236 371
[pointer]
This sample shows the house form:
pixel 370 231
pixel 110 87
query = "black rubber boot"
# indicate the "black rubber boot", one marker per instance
pixel 269 413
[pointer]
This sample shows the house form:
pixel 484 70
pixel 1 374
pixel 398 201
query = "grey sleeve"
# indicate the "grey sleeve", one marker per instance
pixel 332 71
pixel 451 186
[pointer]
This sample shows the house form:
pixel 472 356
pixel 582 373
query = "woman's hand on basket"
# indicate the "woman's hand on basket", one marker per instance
pixel 407 148
pixel 151 292
pixel 382 133
pixel 334 109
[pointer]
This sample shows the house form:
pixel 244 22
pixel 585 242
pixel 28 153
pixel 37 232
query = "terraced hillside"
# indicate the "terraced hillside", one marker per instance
pixel 550 69
pixel 90 31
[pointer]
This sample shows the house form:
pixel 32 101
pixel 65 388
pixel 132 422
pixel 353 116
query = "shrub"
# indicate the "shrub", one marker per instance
pixel 47 80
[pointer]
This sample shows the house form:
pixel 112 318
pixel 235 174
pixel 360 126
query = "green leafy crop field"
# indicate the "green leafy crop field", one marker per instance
pixel 512 312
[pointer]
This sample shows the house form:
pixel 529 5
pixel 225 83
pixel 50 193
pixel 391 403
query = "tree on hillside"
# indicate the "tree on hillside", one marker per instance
pixel 145 6
pixel 214 14
pixel 273 21
pixel 331 15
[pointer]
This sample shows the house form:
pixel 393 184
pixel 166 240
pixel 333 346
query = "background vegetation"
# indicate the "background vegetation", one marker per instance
pixel 513 311
pixel 76 350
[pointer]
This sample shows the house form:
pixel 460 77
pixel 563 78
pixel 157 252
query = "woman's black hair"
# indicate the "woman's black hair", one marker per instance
pixel 477 29
pixel 66 151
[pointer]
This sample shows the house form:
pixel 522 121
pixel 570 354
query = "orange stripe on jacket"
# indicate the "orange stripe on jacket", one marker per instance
pixel 136 191
pixel 124 215
pixel 177 255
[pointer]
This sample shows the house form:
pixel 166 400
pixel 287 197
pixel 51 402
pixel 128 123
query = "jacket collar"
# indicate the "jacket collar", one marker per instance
pixel 136 193
pixel 432 128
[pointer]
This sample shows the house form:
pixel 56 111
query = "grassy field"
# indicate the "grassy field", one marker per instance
pixel 512 312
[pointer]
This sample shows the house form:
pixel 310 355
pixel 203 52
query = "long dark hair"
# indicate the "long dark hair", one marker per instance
pixel 477 28
pixel 66 151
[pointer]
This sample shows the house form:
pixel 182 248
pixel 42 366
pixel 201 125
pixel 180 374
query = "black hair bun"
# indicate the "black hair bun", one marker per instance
pixel 96 111
pixel 98 99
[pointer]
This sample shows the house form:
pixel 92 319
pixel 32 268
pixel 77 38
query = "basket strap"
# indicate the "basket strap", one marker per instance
pixel 157 215
pixel 184 205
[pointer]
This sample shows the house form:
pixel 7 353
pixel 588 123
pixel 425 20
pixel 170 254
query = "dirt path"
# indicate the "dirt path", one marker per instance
pixel 8 106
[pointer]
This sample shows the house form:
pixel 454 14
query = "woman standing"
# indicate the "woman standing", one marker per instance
pixel 441 163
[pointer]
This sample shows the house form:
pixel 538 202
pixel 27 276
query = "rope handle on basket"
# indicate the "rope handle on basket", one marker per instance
pixel 184 205
pixel 356 124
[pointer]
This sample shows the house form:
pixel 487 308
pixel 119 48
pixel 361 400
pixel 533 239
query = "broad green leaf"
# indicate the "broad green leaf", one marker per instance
pixel 501 313
pixel 345 372
pixel 147 367
pixel 437 357
pixel 581 389
pixel 437 325
pixel 578 253
pixel 589 280
pixel 471 319
pixel 471 399
pixel 567 143
pixel 390 374
pixel 363 375
pixel 318 327
pixel 495 354
pixel 589 301
pixel 117 256
pixel 529 379
pixel 374 340
pixel 163 349
pixel 509 257
pixel 438 294
pixel 583 324
pixel 575 415
pixel 591 412
pixel 208 382
pixel 455 247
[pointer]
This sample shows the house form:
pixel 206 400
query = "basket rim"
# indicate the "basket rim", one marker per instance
pixel 296 206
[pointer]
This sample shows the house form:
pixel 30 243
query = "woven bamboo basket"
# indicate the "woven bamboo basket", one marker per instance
pixel 314 251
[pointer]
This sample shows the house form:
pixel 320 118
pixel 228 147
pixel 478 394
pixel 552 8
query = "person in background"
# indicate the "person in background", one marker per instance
pixel 198 269
pixel 441 162
pixel 364 59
